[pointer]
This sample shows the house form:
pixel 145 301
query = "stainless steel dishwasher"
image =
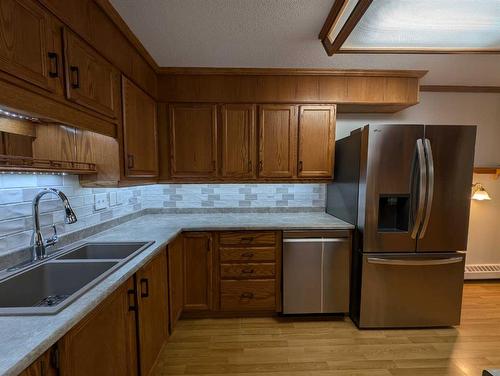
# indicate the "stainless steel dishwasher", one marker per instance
pixel 316 271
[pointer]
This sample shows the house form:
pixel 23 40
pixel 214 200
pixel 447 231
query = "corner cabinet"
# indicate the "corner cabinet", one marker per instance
pixel 176 280
pixel 140 142
pixel 193 141
pixel 43 366
pixel 104 342
pixel 277 141
pixel 316 138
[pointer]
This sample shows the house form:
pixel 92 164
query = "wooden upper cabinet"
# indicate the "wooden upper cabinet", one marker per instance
pixel 238 141
pixel 316 141
pixel 193 140
pixel 29 50
pixel 139 132
pixel 104 342
pixel 277 141
pixel 198 283
pixel 90 80
pixel 152 292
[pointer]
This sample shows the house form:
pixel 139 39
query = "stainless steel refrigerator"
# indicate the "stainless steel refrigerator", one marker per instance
pixel 406 188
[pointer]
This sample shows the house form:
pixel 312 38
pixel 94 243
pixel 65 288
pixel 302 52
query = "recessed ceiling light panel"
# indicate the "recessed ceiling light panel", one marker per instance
pixel 427 25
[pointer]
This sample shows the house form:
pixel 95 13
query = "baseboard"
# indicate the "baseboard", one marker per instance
pixel 482 271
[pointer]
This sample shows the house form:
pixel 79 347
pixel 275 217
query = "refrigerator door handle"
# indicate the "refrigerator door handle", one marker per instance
pixel 403 262
pixel 430 186
pixel 422 182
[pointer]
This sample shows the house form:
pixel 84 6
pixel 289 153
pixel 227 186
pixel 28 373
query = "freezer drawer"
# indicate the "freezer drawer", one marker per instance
pixel 411 290
pixel 316 275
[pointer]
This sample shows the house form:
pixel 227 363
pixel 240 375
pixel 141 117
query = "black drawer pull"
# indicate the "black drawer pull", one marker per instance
pixel 54 61
pixel 144 288
pixel 247 254
pixel 246 295
pixel 247 239
pixel 248 271
pixel 75 77
pixel 130 161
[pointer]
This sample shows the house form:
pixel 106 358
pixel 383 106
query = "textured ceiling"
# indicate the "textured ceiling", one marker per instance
pixel 273 33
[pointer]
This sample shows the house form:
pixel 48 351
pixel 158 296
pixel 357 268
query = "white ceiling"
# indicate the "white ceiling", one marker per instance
pixel 273 33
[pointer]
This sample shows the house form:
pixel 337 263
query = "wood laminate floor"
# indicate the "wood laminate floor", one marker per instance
pixel 298 347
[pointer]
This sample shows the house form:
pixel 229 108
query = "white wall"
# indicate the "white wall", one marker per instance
pixel 478 109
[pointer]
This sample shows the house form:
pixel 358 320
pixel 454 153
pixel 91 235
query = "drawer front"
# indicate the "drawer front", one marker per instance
pixel 248 238
pixel 248 254
pixel 248 295
pixel 247 271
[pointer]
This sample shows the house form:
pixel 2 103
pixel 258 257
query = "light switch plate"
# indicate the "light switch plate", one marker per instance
pixel 113 200
pixel 101 201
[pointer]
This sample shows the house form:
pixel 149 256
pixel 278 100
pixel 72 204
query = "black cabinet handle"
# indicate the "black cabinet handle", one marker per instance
pixel 75 77
pixel 54 62
pixel 301 165
pixel 261 167
pixel 247 254
pixel 246 295
pixel 130 161
pixel 250 166
pixel 247 239
pixel 247 271
pixel 144 287
pixel 131 300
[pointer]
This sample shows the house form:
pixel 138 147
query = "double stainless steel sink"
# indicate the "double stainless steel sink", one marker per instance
pixel 46 287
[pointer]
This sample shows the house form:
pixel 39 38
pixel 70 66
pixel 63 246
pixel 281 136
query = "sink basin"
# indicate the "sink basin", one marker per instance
pixel 104 251
pixel 49 287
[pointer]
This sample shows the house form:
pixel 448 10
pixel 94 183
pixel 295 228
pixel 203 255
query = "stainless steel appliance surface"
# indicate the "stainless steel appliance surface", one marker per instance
pixel 406 188
pixel 316 272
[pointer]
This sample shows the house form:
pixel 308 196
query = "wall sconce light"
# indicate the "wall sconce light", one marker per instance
pixel 479 193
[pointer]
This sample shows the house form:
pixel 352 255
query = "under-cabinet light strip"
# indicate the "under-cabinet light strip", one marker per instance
pixel 14 115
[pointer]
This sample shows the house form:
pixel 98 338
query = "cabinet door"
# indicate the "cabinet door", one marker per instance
pixel 153 310
pixel 176 280
pixel 42 366
pixel 104 342
pixel 198 284
pixel 193 140
pixel 90 80
pixel 238 141
pixel 28 49
pixel 139 132
pixel 316 141
pixel 277 141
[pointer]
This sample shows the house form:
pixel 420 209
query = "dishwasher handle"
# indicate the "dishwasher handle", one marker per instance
pixel 315 240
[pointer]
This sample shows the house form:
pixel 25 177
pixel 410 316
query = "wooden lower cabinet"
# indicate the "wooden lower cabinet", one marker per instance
pixel 152 297
pixel 198 276
pixel 123 336
pixel 176 280
pixel 43 366
pixel 104 342
pixel 249 266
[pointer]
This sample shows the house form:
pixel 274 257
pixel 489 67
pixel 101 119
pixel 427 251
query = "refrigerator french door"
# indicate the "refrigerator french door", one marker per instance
pixel 411 192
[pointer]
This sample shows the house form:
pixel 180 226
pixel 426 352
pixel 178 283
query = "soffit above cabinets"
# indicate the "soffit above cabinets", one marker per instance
pixel 405 26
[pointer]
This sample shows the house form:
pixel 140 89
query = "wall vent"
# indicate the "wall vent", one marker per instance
pixel 482 271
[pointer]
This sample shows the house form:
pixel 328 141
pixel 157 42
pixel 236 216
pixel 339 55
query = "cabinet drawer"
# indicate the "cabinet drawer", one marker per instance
pixel 247 271
pixel 248 295
pixel 248 238
pixel 247 254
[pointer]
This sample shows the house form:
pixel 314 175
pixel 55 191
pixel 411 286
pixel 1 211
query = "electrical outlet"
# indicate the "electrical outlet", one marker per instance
pixel 113 199
pixel 101 201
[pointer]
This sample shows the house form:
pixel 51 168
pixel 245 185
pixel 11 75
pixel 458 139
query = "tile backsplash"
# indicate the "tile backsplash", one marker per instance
pixel 17 192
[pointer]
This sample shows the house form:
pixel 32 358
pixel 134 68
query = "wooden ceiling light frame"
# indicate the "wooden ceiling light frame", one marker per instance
pixel 335 46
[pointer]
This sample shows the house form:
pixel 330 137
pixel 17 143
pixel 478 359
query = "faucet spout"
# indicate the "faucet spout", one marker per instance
pixel 38 244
